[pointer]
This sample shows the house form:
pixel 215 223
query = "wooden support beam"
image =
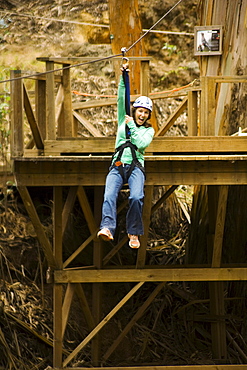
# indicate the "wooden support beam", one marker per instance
pixel 147 274
pixel 102 324
pixel 17 134
pixel 192 113
pixel 69 129
pixel 79 249
pixel 59 111
pixel 161 170
pixel 86 124
pixel 69 294
pixel 178 111
pixel 40 106
pixel 86 208
pixel 217 204
pixel 50 103
pixel 132 322
pixel 97 289
pixel 32 121
pixel 58 288
pixel 141 256
pixel 174 367
pixel 163 198
pixel 68 205
pixel 218 327
pixel 219 227
pixel 38 227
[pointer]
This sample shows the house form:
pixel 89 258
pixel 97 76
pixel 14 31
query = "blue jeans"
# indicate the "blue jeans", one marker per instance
pixel 114 183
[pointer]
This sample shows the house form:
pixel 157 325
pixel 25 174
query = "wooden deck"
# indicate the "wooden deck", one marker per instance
pixel 57 158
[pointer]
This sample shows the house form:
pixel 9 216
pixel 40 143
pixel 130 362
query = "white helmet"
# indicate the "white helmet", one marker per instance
pixel 144 102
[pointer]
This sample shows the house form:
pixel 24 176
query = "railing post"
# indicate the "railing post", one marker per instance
pixel 17 135
pixel 69 128
pixel 192 113
pixel 50 102
pixel 40 106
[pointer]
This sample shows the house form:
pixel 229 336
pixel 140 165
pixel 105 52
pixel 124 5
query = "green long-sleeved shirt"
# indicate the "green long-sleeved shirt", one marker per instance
pixel 139 135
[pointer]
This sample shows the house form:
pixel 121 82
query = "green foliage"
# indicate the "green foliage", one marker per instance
pixel 172 49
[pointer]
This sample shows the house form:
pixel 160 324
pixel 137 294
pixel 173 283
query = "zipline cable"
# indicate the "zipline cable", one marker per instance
pixel 154 25
pixel 96 60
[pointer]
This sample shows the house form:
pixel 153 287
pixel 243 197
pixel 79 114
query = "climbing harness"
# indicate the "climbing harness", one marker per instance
pixel 127 144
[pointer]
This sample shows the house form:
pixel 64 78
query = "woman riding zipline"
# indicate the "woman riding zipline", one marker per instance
pixel 134 134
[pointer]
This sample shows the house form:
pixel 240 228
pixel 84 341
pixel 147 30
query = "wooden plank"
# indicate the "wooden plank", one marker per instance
pixel 97 289
pixel 192 170
pixel 85 123
pixel 32 121
pixel 102 323
pixel 57 288
pixel 146 274
pixel 40 106
pixel 173 367
pixel 218 326
pixel 178 111
pixel 68 206
pixel 41 236
pixel 230 79
pixel 103 101
pixel 179 144
pixel 57 325
pixel 79 249
pixel 67 105
pixel 192 113
pixel 50 103
pixel 69 294
pixel 86 208
pixel 58 107
pixel 219 227
pixel 17 134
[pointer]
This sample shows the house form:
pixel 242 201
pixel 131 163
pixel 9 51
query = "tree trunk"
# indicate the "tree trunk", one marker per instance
pixel 125 29
pixel 231 99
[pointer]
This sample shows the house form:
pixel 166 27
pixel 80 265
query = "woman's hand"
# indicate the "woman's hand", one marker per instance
pixel 128 118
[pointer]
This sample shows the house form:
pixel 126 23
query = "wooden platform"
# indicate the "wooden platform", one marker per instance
pixel 169 161
pixel 55 157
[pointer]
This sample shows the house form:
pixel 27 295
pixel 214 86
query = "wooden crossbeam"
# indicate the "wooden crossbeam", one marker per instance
pixel 141 256
pixel 134 319
pixel 165 145
pixel 41 236
pixel 178 111
pixel 85 123
pixel 147 274
pixel 69 294
pixel 219 227
pixel 32 120
pixel 175 367
pixel 102 324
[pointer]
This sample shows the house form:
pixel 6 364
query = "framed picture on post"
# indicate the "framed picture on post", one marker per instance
pixel 208 40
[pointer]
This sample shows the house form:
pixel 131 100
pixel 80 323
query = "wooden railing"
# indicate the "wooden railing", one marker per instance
pixel 51 115
pixel 52 119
